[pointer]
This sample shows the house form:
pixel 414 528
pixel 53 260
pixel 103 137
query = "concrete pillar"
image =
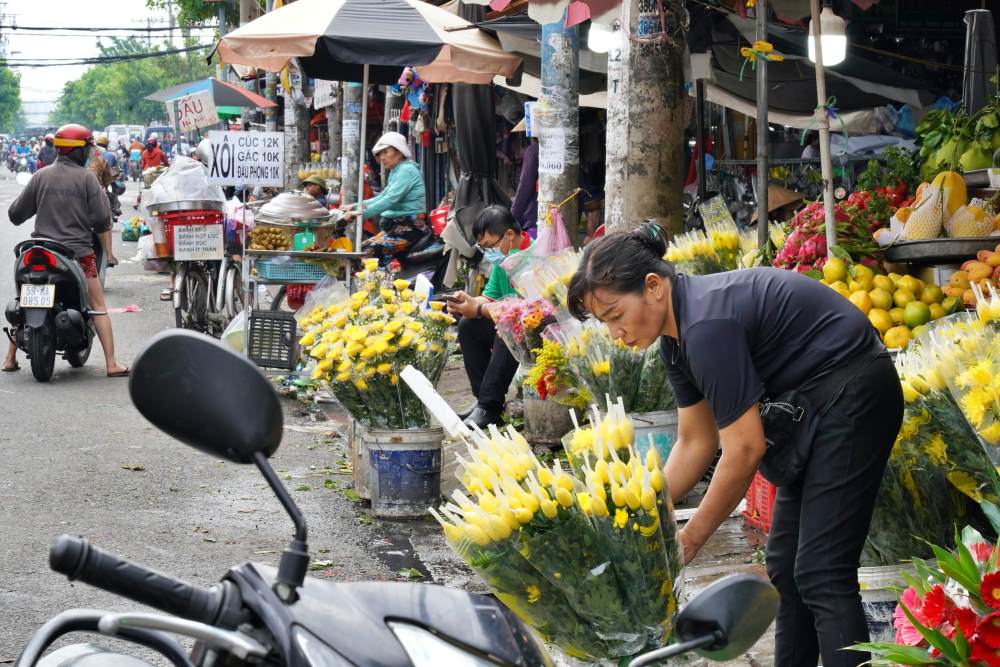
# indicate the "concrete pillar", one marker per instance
pixel 296 140
pixel 334 123
pixel 646 118
pixel 558 124
pixel 350 142
pixel 393 105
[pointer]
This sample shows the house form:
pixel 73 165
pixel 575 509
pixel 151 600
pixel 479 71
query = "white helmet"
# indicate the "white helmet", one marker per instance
pixel 392 140
pixel 204 151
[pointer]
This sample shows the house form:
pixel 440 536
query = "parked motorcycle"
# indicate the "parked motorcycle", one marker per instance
pixel 51 313
pixel 279 617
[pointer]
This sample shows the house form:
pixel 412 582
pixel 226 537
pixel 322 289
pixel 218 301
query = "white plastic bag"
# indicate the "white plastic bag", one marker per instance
pixel 184 180
pixel 234 334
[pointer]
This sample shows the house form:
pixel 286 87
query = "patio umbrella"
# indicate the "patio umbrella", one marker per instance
pixel 371 41
pixel 223 94
pixel 335 39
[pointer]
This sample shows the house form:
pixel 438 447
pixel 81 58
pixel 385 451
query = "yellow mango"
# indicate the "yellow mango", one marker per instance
pixel 953 187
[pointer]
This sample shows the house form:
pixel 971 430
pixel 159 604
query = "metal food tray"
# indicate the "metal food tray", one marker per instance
pixel 192 205
pixel 939 251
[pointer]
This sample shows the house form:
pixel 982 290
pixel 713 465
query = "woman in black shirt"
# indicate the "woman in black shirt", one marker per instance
pixel 791 378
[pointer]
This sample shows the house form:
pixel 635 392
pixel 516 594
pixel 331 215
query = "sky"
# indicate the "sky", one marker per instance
pixel 41 86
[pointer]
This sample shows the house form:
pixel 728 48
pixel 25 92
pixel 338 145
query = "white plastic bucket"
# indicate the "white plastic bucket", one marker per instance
pixel 879 599
pixel 655 429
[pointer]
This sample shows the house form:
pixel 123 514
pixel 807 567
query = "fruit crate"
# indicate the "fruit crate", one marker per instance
pixel 290 271
pixel 273 339
pixel 760 503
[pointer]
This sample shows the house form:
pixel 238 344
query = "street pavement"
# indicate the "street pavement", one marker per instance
pixel 78 458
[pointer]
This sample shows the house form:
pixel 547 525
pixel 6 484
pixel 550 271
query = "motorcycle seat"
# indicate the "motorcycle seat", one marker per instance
pixel 48 244
pixel 421 243
pixel 430 254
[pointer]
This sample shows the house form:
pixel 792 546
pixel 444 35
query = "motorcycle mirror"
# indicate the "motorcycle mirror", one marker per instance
pixel 22 178
pixel 738 609
pixel 196 390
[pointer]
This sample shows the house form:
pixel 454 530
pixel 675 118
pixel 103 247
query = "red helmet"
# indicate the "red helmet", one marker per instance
pixel 50 137
pixel 72 136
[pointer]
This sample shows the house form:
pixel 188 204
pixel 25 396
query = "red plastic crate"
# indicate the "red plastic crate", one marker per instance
pixel 200 217
pixel 760 503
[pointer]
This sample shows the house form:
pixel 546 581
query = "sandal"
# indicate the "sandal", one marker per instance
pixel 12 369
pixel 167 295
pixel 120 374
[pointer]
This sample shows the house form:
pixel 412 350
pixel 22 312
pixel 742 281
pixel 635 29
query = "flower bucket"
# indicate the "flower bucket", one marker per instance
pixel 655 429
pixel 405 470
pixel 545 422
pixel 359 460
pixel 878 598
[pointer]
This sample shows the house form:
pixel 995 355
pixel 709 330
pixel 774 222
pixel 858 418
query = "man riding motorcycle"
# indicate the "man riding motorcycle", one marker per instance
pixel 24 151
pixel 70 207
pixel 48 154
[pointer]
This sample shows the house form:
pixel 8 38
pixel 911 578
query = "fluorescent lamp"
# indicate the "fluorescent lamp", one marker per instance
pixel 833 36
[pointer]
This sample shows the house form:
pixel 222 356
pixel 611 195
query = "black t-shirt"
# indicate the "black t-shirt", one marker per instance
pixel 753 333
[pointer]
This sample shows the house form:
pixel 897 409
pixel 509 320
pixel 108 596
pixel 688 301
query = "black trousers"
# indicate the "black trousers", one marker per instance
pixel 488 363
pixel 819 524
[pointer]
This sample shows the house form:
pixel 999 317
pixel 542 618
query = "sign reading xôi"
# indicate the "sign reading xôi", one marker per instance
pixel 247 158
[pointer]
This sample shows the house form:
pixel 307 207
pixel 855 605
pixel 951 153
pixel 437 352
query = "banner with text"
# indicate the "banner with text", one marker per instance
pixel 247 158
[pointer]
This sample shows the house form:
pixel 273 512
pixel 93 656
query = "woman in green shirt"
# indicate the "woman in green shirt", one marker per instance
pixel 400 207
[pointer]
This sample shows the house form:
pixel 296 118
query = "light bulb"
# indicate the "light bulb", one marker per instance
pixel 601 37
pixel 833 36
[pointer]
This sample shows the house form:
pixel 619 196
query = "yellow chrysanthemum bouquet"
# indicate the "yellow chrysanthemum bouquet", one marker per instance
pixel 589 556
pixel 362 343
pixel 714 250
pixel 937 472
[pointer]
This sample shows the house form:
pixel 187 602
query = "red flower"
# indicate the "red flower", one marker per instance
pixel 963 619
pixel 989 589
pixel 982 551
pixel 937 606
pixel 988 630
pixel 984 654
pixel 905 632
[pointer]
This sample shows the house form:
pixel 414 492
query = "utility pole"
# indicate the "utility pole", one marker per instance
pixel 763 136
pixel 393 108
pixel 296 126
pixel 558 125
pixel 335 125
pixel 646 117
pixel 354 97
pixel 271 90
pixel 170 18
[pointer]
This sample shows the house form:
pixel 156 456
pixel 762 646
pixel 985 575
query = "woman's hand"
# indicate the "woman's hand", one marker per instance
pixel 463 305
pixel 349 215
pixel 689 546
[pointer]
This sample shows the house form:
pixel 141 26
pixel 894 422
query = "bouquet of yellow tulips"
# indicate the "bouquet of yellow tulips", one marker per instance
pixel 363 342
pixel 537 276
pixel 586 556
pixel 714 250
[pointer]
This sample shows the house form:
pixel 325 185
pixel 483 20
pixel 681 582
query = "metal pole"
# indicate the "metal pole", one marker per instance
pixel 823 122
pixel 248 299
pixel 763 138
pixel 270 90
pixel 699 124
pixel 360 225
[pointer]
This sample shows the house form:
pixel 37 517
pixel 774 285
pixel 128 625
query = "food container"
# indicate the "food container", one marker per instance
pixel 294 209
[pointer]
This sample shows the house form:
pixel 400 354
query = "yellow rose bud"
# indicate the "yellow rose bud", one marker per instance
pixel 599 506
pixel 406 339
pixel 393 379
pixel 549 509
pixel 437 305
pixel 564 497
pixel 394 326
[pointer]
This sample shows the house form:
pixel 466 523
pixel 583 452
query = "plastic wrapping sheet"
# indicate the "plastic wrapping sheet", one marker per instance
pixel 521 323
pixel 184 180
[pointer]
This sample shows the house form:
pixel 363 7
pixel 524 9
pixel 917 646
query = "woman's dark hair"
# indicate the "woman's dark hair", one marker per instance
pixel 619 263
pixel 495 219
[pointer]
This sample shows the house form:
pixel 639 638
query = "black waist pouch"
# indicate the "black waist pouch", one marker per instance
pixel 792 418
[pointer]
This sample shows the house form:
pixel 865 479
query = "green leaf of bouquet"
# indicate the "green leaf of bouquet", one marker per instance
pixel 898 654
pixel 992 513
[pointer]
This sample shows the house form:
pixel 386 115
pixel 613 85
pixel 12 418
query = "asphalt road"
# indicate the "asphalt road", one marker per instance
pixel 78 458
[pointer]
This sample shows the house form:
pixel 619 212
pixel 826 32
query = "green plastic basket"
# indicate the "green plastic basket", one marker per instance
pixel 291 271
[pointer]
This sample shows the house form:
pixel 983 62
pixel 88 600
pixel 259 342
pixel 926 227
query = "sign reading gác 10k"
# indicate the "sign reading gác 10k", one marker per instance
pixel 247 158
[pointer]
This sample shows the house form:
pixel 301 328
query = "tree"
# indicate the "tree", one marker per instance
pixel 10 99
pixel 115 93
pixel 188 11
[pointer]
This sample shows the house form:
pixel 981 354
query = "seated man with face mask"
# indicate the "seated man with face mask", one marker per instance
pixel 488 363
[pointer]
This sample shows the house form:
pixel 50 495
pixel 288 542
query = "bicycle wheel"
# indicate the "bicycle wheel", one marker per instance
pixel 193 307
pixel 235 300
pixel 278 302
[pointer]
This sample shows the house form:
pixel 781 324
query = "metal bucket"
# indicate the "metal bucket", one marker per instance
pixel 405 470
pixel 879 599
pixel 545 422
pixel 655 429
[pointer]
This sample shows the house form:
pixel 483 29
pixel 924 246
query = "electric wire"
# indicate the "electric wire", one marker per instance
pixel 97 60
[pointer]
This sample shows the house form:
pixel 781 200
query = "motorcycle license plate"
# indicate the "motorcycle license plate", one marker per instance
pixel 38 296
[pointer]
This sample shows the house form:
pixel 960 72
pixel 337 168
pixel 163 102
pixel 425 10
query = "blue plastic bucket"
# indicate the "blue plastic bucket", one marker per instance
pixel 405 473
pixel 655 429
pixel 878 598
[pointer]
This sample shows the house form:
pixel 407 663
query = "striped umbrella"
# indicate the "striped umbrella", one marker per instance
pixel 336 39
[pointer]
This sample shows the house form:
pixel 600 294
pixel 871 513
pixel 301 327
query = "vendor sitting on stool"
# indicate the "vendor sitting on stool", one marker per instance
pixel 401 205
pixel 316 187
pixel 488 363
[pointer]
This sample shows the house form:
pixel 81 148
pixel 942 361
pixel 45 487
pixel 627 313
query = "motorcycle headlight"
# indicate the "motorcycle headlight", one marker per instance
pixel 428 650
pixel 316 653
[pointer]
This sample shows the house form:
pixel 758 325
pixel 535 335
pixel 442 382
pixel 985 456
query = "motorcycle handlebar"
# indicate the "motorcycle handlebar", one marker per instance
pixel 78 559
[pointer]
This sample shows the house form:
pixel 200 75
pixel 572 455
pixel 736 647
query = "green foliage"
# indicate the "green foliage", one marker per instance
pixel 115 92
pixel 188 11
pixel 895 164
pixel 10 99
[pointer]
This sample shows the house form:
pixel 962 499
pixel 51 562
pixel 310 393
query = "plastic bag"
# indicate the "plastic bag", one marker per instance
pixel 537 275
pixel 234 335
pixel 326 292
pixel 184 180
pixel 552 236
pixel 521 324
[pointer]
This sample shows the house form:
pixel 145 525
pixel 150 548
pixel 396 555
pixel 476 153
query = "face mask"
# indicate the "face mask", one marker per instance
pixel 493 256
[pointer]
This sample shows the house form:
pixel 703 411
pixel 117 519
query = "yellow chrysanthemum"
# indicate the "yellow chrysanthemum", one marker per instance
pixel 601 367
pixel 384 368
pixel 437 305
pixel 394 325
pixel 991 434
pixel 360 384
pixel 371 264
pixel 343 377
pixel 400 283
pixel 621 518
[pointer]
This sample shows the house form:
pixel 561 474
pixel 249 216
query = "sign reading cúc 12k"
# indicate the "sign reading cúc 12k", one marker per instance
pixel 247 158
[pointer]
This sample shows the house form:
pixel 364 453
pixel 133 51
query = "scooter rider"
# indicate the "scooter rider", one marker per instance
pixel 48 154
pixel 69 206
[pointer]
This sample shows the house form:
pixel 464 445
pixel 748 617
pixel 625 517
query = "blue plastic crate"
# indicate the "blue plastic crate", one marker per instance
pixel 290 271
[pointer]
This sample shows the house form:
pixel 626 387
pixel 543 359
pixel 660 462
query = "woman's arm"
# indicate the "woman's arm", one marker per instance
pixel 743 447
pixel 697 443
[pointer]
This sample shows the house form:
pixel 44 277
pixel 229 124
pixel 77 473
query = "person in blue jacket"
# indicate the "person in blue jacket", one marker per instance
pixel 400 208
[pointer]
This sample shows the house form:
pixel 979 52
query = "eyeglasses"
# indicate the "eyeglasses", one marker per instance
pixel 490 246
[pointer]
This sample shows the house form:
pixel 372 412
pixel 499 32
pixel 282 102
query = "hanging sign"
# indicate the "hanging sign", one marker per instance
pixel 194 111
pixel 324 93
pixel 198 242
pixel 247 158
pixel 351 130
pixel 552 150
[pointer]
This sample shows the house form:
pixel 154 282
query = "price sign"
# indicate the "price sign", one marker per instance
pixel 194 111
pixel 247 158
pixel 198 242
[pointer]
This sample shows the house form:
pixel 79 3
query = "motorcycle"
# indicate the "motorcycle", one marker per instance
pixel 183 383
pixel 51 313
